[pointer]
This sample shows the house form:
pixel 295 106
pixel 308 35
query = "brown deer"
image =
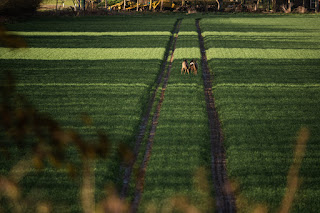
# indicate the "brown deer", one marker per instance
pixel 194 67
pixel 184 66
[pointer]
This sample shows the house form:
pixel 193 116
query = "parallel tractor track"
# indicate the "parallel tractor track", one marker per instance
pixel 146 116
pixel 225 200
pixel 143 167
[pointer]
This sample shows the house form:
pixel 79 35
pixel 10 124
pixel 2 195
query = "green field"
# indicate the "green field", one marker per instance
pixel 60 2
pixel 267 86
pixel 265 82
pixel 112 87
pixel 181 145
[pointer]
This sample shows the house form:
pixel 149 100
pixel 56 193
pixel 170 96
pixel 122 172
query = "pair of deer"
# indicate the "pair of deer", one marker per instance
pixel 193 67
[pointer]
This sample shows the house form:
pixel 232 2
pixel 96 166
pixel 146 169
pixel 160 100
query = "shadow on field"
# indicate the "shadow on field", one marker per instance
pixel 96 24
pixel 141 41
pixel 238 27
pixel 84 71
pixel 266 71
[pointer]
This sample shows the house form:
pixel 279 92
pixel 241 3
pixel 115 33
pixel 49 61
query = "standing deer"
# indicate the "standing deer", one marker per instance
pixel 194 67
pixel 184 66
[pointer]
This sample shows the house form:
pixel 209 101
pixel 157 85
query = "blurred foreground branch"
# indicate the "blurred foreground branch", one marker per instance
pixel 42 140
pixel 11 40
pixel 18 7
pixel 293 175
pixel 293 180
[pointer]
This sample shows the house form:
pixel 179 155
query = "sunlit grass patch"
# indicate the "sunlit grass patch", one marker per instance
pixel 185 52
pixel 68 33
pixel 257 53
pixel 255 34
pixel 187 33
pixel 82 54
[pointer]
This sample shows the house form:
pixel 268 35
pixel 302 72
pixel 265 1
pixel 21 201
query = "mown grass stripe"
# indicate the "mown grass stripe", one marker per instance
pixel 266 85
pixel 187 53
pixel 184 85
pixel 256 53
pixel 83 84
pixel 288 35
pixel 82 53
pixel 183 33
pixel 149 33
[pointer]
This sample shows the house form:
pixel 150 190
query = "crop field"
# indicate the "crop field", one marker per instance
pixel 58 75
pixel 181 144
pixel 266 85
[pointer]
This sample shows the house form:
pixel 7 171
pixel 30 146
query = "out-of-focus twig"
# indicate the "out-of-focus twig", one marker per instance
pixel 88 187
pixel 20 169
pixel 11 191
pixel 10 40
pixel 293 175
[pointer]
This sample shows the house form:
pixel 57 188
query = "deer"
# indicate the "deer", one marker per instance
pixel 184 66
pixel 194 67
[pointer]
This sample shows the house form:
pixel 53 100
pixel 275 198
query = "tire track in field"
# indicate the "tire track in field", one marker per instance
pixel 146 116
pixel 225 200
pixel 142 172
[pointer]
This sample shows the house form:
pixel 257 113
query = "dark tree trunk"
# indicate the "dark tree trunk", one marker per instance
pixel 274 5
pixel 83 5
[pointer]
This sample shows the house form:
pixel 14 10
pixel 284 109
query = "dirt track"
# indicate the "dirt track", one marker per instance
pixel 143 167
pixel 144 123
pixel 225 200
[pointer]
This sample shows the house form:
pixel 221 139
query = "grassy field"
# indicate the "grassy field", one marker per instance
pixel 181 148
pixel 67 3
pixel 267 86
pixel 112 86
